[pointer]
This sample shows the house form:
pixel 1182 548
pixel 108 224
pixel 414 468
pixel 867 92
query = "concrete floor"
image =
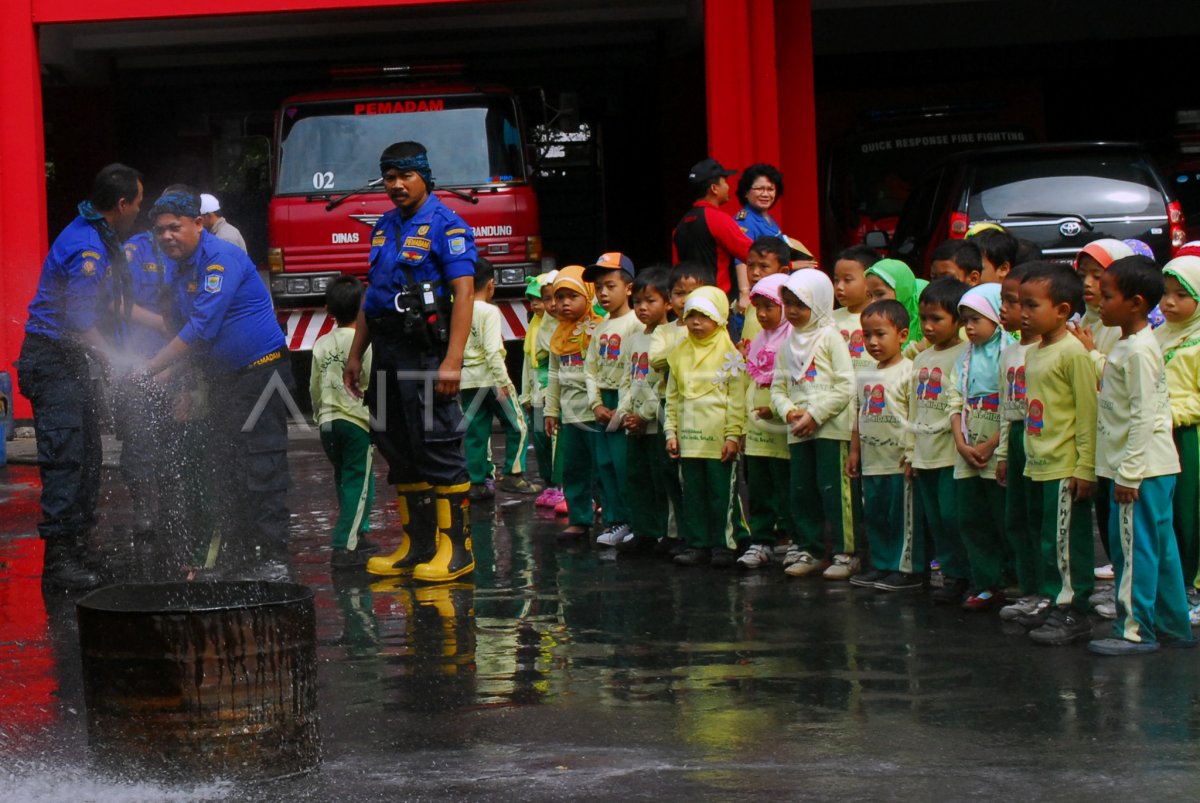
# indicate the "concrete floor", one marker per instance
pixel 561 672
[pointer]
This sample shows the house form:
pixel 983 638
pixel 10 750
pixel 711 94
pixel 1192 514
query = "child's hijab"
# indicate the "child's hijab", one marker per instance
pixel 701 365
pixel 979 366
pixel 815 291
pixel 1174 336
pixel 907 287
pixel 760 357
pixel 533 289
pixel 573 337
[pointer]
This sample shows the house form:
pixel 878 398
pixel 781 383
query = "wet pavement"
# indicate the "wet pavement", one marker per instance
pixel 562 672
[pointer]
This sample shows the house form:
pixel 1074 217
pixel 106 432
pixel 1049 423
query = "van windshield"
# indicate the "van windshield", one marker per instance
pixel 472 140
pixel 1089 185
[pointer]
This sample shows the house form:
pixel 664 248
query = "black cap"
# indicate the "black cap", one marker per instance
pixel 707 171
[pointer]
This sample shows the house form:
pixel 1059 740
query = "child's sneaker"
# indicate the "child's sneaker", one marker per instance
pixel 549 497
pixel 804 564
pixel 1104 572
pixel 791 555
pixel 898 581
pixel 756 556
pixel 1119 646
pixel 517 484
pixel 951 592
pixel 1023 606
pixel 842 568
pixel 480 491
pixel 983 600
pixel 691 556
pixel 1106 610
pixel 1103 595
pixel 867 579
pixel 1063 626
pixel 613 535
pixel 561 507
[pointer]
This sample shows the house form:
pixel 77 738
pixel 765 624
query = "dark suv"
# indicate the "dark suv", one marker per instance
pixel 1060 197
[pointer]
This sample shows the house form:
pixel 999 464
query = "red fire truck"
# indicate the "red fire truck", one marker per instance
pixel 328 194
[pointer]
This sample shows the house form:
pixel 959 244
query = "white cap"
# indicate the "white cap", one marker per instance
pixel 209 203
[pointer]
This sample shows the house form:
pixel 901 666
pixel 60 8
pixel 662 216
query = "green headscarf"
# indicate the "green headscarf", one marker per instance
pixel 898 276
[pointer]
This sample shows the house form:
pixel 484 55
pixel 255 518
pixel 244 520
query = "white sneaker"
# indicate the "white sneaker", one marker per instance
pixel 842 568
pixel 804 564
pixel 792 555
pixel 613 535
pixel 1107 610
pixel 1104 572
pixel 754 557
pixel 1021 607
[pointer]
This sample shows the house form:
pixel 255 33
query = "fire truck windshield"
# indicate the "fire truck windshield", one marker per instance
pixel 332 146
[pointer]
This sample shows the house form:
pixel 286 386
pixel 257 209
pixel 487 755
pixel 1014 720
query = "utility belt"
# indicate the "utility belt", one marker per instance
pixel 419 318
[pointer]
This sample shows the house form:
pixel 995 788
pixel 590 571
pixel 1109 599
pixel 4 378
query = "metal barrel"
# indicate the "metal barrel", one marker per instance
pixel 201 680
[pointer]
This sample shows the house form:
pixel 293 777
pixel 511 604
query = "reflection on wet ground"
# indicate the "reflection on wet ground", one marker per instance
pixel 560 671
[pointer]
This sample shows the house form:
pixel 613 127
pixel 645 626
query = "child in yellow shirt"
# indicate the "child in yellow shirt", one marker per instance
pixel 765 445
pixel 933 400
pixel 704 423
pixel 1179 338
pixel 1060 451
pixel 850 290
pixel 812 391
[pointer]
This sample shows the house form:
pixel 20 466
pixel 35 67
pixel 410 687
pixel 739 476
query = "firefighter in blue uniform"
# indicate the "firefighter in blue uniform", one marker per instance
pixel 230 335
pixel 80 295
pixel 142 413
pixel 416 317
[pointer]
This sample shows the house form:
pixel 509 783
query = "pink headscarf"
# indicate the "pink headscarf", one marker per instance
pixel 760 357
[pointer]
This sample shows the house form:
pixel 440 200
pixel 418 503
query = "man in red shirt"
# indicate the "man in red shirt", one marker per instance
pixel 710 237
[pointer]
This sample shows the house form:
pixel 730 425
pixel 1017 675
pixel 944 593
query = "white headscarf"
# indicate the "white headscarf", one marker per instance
pixel 815 290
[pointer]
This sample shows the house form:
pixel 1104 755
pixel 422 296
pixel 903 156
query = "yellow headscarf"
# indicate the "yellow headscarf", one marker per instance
pixel 1173 336
pixel 701 366
pixel 573 337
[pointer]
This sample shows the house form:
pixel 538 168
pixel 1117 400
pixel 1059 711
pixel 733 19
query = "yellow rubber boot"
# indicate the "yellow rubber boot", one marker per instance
pixel 453 557
pixel 418 541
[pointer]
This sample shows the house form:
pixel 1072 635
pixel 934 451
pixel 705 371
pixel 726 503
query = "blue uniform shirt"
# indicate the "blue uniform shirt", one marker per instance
pixel 434 245
pixel 225 307
pixel 150 271
pixel 755 224
pixel 71 288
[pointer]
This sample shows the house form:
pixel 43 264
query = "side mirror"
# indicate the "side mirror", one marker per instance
pixel 876 239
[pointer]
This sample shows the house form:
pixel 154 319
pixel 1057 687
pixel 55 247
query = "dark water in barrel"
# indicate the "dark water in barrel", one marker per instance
pixel 561 673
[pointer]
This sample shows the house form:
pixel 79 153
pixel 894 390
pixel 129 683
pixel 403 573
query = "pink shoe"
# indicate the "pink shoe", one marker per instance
pixel 561 508
pixel 546 498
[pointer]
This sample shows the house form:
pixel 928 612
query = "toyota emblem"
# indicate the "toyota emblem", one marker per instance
pixel 1070 228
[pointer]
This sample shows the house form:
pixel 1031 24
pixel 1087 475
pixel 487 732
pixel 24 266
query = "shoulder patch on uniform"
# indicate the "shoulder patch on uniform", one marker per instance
pixel 150 267
pixel 378 241
pixel 458 245
pixel 214 269
pixel 212 283
pixel 423 230
pixel 455 231
pixel 741 215
pixel 89 268
pixel 417 242
pixel 90 255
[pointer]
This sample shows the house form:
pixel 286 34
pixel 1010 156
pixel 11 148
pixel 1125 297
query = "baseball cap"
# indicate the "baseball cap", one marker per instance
pixel 708 170
pixel 209 203
pixel 799 250
pixel 614 260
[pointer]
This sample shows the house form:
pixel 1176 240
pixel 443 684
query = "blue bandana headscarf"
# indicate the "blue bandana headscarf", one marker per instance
pixel 180 204
pixel 419 164
pixel 979 366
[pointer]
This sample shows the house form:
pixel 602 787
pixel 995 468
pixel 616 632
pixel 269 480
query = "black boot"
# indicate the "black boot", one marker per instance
pixel 453 557
pixel 63 568
pixel 418 515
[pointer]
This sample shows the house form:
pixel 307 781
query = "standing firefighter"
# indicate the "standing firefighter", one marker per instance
pixel 81 280
pixel 230 335
pixel 416 317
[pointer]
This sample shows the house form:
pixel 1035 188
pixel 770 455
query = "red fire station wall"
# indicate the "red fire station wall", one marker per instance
pixel 759 68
